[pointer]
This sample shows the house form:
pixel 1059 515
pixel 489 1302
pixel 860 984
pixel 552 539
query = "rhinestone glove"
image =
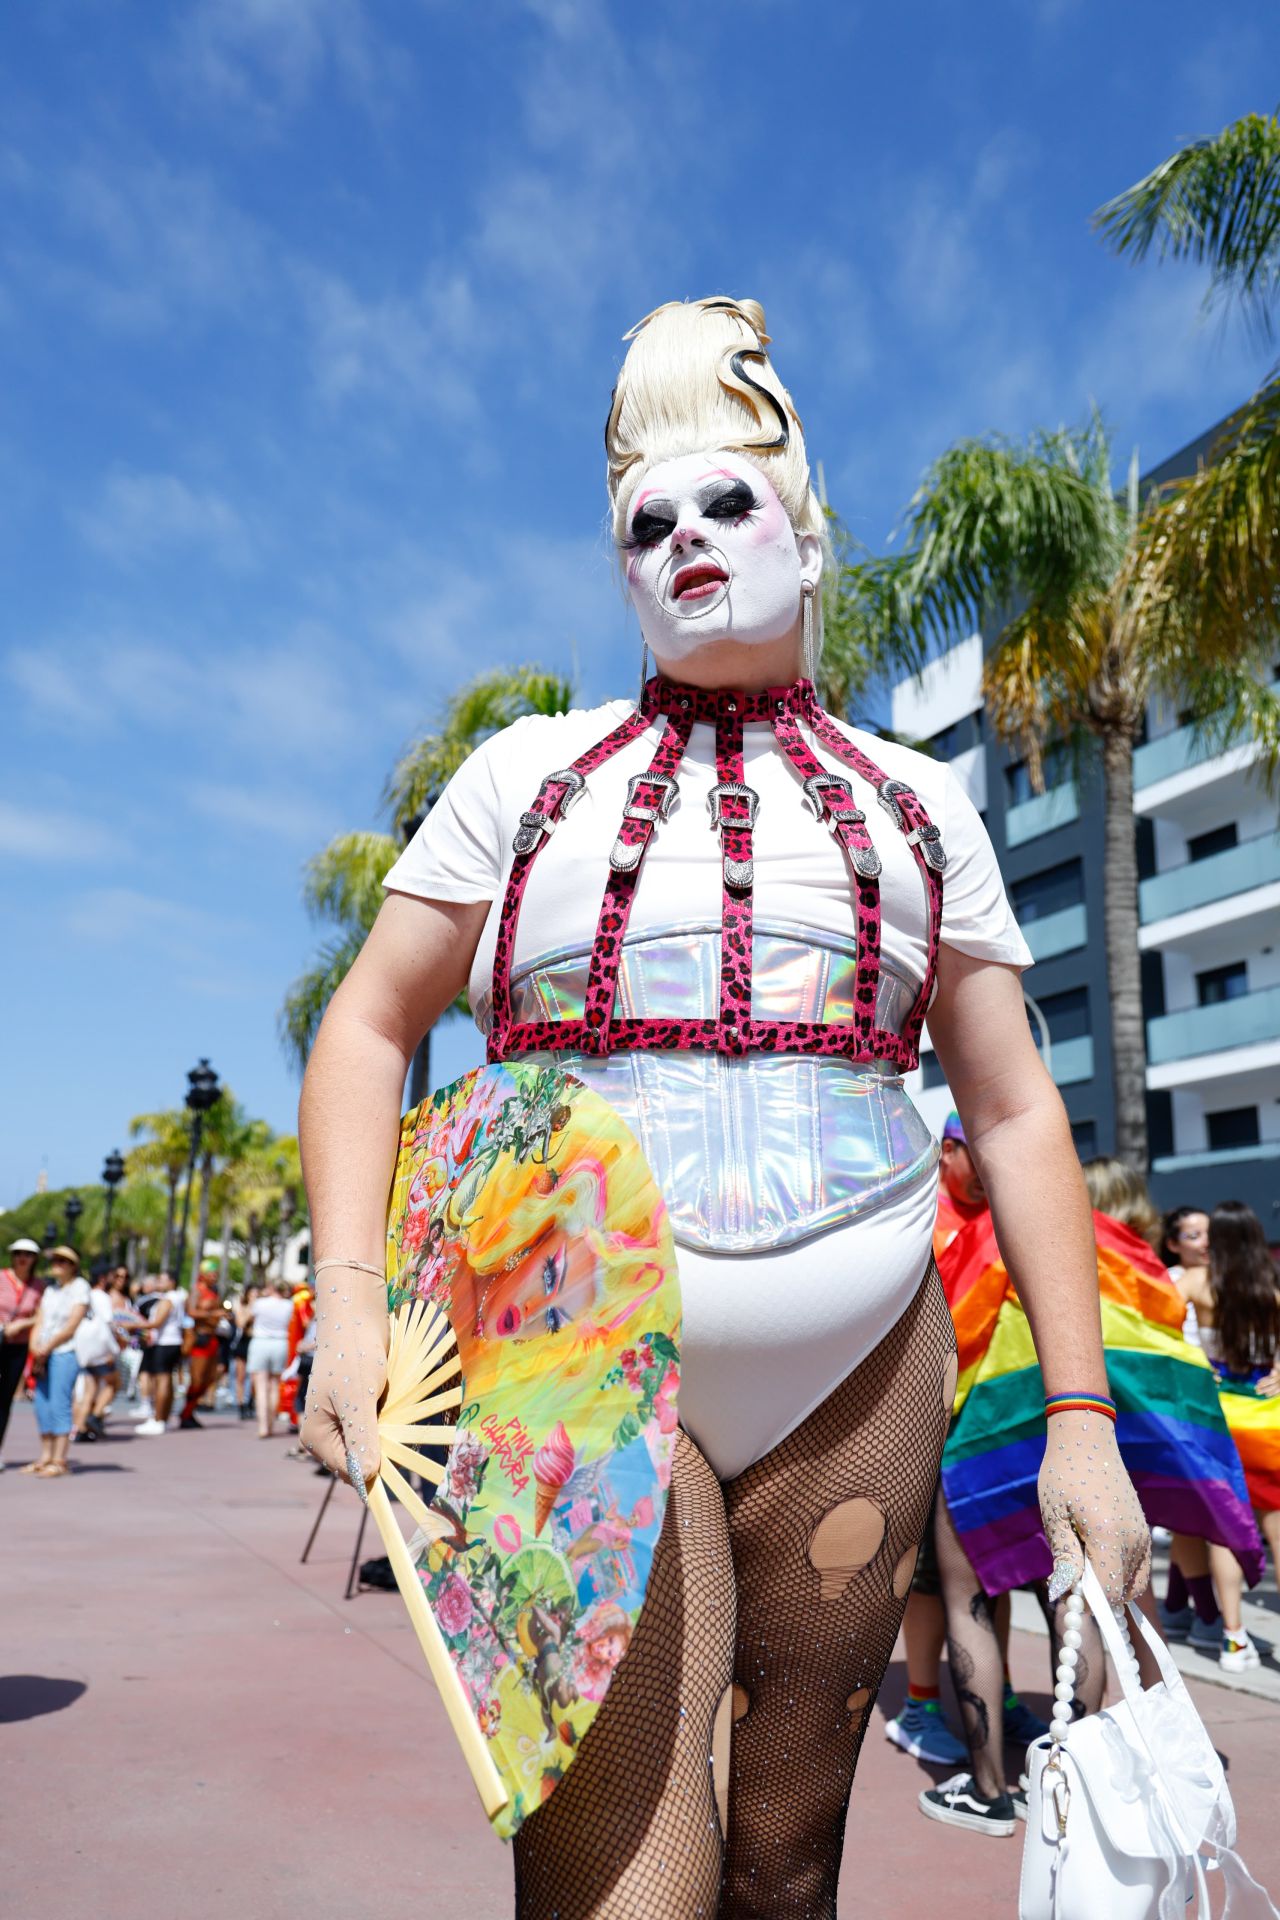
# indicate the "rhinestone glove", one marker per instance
pixel 1088 1506
pixel 348 1374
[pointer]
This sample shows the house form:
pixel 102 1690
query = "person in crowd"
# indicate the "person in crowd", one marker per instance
pixel 97 1350
pixel 19 1304
pixel 63 1305
pixel 163 1350
pixel 206 1312
pixel 127 1324
pixel 1121 1193
pixel 961 1194
pixel 145 1300
pixel 303 1312
pixel 1237 1308
pixel 268 1319
pixel 920 1726
pixel 1189 1610
pixel 243 1325
pixel 1184 1241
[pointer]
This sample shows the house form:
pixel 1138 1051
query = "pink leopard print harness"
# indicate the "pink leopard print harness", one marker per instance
pixel 650 798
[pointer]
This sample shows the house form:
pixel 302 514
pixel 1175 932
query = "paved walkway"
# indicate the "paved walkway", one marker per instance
pixel 196 1724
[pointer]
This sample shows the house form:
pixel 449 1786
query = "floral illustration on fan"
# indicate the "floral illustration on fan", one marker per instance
pixel 524 1214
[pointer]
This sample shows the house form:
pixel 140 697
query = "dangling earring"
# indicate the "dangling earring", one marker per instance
pixel 644 670
pixel 807 651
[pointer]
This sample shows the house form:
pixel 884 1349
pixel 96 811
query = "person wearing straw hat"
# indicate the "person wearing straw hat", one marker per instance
pixel 19 1303
pixel 63 1305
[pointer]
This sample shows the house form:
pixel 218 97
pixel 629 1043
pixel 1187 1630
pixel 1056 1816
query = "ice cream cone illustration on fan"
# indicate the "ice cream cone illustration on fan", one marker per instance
pixel 535 1336
pixel 552 1466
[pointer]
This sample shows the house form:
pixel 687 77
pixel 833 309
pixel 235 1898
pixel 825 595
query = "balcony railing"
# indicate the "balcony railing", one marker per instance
pixel 1042 813
pixel 1171 753
pixel 1194 884
pixel 1219 1157
pixel 1071 1061
pixel 1059 932
pixel 1246 1021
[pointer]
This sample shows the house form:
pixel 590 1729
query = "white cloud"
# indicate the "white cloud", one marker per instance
pixel 139 515
pixel 386 346
pixel 49 834
pixel 264 58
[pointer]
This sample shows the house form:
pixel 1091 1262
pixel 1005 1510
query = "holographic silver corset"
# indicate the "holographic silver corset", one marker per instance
pixel 757 1150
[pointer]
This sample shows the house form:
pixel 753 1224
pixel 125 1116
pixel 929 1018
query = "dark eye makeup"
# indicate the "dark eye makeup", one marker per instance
pixel 654 521
pixel 732 500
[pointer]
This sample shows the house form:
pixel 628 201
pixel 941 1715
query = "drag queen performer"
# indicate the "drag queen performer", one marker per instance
pixel 729 912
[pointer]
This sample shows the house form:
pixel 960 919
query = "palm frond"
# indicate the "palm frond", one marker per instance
pixel 343 882
pixel 1203 574
pixel 311 992
pixel 1228 705
pixel 994 523
pixel 1216 202
pixel 481 708
pixel 1038 681
pixel 871 625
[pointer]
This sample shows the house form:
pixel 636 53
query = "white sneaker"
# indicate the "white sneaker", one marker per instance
pixel 141 1412
pixel 151 1426
pixel 1239 1655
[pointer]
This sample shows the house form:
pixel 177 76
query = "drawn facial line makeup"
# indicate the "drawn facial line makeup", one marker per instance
pixel 728 498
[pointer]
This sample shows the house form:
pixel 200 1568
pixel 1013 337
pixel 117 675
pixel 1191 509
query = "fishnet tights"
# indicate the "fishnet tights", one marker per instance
pixel 819 1539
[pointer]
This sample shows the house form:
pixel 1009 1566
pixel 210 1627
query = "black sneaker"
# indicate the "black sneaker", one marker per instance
pixel 958 1803
pixel 189 1424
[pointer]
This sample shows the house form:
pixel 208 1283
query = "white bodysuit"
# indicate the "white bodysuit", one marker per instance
pixel 772 1325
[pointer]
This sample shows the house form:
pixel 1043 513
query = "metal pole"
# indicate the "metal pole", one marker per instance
pixel 197 1124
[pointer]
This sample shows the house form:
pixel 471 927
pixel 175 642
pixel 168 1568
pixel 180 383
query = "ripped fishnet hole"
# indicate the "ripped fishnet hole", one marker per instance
pixel 631 1833
pixel 818 1614
pixel 632 1828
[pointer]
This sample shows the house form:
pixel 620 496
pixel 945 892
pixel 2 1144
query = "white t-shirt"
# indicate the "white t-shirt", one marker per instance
pixel 57 1304
pixel 170 1334
pixel 462 851
pixel 749 1375
pixel 95 1343
pixel 271 1316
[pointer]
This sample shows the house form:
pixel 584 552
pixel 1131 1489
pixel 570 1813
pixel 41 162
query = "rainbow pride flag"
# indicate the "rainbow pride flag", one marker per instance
pixel 1254 1422
pixel 1170 1427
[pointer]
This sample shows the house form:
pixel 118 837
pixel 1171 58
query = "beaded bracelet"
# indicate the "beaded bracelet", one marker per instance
pixel 1080 1403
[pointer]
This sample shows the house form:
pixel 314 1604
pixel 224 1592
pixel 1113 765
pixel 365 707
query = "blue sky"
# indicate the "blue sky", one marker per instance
pixel 309 312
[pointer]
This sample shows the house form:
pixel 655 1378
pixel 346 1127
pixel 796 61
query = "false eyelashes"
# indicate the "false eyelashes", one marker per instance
pixel 735 501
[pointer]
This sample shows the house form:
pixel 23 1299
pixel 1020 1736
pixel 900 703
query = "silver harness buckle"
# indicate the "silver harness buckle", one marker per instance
pixel 624 858
pixel 533 825
pixel 739 874
pixel 818 789
pixel 927 838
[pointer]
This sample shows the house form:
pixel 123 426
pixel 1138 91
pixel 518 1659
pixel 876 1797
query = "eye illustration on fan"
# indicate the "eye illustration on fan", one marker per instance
pixel 532 1378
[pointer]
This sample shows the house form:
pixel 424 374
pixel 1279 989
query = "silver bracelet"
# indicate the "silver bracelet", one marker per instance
pixel 361 1266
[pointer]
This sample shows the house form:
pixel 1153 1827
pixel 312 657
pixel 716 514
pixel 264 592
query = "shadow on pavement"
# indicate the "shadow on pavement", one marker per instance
pixel 26 1696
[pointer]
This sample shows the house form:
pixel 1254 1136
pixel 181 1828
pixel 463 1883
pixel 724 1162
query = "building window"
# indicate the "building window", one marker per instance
pixel 931 1074
pixel 1203 846
pixel 1066 1015
pixel 1017 776
pixel 1232 1127
pixel 1222 983
pixel 1049 892
pixel 1085 1135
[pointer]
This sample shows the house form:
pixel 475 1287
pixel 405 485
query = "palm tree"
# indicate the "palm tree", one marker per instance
pixel 1208 562
pixel 166 1153
pixel 343 883
pixel 1040 528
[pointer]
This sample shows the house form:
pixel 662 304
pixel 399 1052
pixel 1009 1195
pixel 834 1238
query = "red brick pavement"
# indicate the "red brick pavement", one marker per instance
pixel 194 1724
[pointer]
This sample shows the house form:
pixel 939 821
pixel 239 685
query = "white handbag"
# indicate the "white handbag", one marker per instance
pixel 1129 1811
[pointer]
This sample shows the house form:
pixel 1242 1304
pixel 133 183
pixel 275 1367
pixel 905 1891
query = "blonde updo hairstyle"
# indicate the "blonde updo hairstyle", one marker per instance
pixel 697 379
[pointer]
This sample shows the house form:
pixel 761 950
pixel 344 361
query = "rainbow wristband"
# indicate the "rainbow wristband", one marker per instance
pixel 1080 1403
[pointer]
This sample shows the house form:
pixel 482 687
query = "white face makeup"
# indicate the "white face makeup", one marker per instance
pixel 710 556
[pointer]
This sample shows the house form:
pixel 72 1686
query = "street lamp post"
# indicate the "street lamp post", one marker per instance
pixel 112 1175
pixel 202 1093
pixel 72 1208
pixel 49 1237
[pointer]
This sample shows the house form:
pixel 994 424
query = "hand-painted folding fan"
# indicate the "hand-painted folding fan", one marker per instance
pixel 532 1285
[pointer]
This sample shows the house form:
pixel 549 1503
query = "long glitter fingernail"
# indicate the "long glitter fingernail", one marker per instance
pixel 1062 1579
pixel 356 1474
